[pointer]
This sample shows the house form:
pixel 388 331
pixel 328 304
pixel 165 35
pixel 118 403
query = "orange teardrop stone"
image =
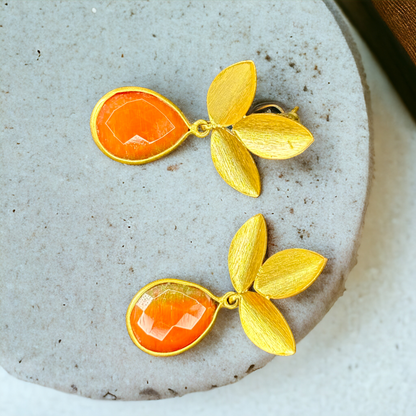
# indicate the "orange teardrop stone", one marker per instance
pixel 171 316
pixel 136 125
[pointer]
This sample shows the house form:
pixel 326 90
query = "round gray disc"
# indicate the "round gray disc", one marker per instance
pixel 81 234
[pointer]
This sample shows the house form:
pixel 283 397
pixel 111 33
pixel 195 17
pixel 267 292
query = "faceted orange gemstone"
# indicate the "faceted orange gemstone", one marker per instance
pixel 136 125
pixel 171 316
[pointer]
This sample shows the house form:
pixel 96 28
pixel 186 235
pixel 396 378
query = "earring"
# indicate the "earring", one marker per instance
pixel 136 125
pixel 170 316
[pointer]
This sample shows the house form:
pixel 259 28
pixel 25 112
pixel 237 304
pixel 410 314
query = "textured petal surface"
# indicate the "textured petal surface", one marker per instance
pixel 234 163
pixel 247 252
pixel 272 136
pixel 288 273
pixel 231 93
pixel 265 325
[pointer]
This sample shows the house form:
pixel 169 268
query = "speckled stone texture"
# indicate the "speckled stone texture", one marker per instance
pixel 81 234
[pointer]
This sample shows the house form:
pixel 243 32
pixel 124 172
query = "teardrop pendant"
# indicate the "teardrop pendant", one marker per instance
pixel 169 316
pixel 134 125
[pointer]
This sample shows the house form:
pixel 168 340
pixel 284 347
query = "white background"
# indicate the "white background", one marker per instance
pixel 360 360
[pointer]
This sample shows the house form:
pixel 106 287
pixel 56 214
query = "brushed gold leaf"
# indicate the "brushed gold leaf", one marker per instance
pixel 265 325
pixel 234 162
pixel 273 136
pixel 231 93
pixel 247 251
pixel 288 273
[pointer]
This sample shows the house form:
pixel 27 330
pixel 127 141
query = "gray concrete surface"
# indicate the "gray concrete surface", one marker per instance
pixel 81 234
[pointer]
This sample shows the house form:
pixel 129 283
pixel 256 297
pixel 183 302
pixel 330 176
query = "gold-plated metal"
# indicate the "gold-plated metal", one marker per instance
pixel 270 107
pixel 230 300
pixel 234 162
pixel 265 325
pixel 231 93
pixel 293 114
pixel 247 252
pixel 230 96
pixel 201 128
pixel 96 111
pixel 286 273
pixel 273 136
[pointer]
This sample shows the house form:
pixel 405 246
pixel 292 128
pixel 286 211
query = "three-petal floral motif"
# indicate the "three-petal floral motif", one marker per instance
pixel 270 136
pixel 169 316
pixel 285 274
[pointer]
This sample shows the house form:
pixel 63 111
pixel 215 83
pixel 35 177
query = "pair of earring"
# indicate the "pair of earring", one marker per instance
pixel 135 126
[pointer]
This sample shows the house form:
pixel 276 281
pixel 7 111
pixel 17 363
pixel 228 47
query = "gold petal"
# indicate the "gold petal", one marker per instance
pixel 247 252
pixel 288 273
pixel 234 163
pixel 265 325
pixel 231 93
pixel 273 136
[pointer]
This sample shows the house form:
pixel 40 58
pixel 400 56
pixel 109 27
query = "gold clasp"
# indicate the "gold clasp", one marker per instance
pixel 271 107
pixel 201 128
pixel 293 114
pixel 230 300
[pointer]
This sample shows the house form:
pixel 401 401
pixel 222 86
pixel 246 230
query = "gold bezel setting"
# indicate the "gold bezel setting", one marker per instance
pixel 99 105
pixel 139 294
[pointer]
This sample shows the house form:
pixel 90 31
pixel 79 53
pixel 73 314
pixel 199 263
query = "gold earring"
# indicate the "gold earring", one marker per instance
pixel 170 316
pixel 136 125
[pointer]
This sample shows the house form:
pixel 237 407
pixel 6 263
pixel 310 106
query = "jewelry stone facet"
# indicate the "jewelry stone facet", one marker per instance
pixel 136 125
pixel 171 316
